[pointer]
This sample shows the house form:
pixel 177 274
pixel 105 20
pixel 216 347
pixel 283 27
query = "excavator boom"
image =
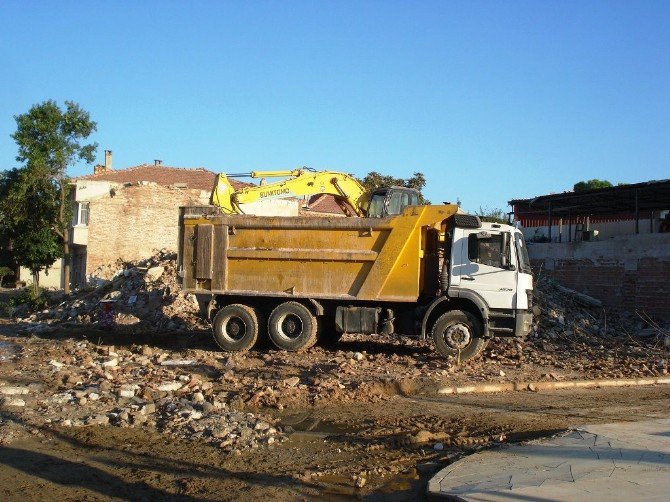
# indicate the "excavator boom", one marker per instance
pixel 347 191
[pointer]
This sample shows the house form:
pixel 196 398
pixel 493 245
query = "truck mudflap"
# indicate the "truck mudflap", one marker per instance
pixel 524 321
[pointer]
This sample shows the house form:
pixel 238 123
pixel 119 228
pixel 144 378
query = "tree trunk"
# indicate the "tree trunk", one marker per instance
pixel 66 232
pixel 66 260
pixel 36 282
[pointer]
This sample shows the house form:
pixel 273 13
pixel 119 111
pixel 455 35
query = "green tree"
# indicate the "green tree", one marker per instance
pixel 591 185
pixel 492 215
pixel 38 248
pixel 374 180
pixel 28 203
pixel 4 271
pixel 49 141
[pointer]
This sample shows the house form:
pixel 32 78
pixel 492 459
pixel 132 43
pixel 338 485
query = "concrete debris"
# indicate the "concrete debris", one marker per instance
pixel 18 402
pixel 154 273
pixel 134 388
pixel 13 390
pixel 199 392
pixel 578 297
pixel 169 387
pixel 141 295
pixel 178 362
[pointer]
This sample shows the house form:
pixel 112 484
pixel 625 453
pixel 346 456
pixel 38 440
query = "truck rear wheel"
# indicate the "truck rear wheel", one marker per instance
pixel 458 333
pixel 236 327
pixel 292 327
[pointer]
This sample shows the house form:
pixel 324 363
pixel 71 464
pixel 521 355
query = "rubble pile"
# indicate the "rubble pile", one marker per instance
pixel 84 384
pixel 573 336
pixel 143 295
pixel 563 315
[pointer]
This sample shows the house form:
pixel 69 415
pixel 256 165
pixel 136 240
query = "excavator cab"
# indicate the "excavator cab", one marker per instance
pixel 391 201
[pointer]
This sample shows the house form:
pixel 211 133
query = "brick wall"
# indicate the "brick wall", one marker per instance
pixel 628 272
pixel 135 221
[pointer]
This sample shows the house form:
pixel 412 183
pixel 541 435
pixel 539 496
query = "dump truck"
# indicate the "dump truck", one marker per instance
pixel 293 281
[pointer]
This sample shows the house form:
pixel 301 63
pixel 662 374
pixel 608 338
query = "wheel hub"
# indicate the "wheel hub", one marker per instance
pixel 457 336
pixel 291 326
pixel 235 328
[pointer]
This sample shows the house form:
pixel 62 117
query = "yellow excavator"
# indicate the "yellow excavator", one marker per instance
pixel 352 197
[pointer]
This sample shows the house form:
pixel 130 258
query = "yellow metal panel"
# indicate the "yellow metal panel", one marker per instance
pixel 362 258
pixel 299 254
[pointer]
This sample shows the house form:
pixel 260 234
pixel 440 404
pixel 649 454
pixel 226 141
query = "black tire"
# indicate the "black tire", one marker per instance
pixel 292 327
pixel 458 334
pixel 328 336
pixel 236 327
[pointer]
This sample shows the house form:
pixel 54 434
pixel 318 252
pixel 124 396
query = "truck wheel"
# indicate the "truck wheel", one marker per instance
pixel 328 336
pixel 292 327
pixel 236 327
pixel 458 334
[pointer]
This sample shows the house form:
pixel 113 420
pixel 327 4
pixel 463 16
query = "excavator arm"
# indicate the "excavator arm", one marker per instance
pixel 347 191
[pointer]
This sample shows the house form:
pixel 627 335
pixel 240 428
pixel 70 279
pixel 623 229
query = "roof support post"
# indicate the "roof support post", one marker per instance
pixel 569 226
pixel 549 221
pixel 637 214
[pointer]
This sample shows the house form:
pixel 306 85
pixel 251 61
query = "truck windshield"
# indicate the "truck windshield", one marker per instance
pixel 522 253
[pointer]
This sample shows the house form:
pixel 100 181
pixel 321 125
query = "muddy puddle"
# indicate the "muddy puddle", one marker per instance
pixel 306 422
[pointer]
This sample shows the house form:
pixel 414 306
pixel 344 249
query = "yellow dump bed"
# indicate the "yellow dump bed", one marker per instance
pixel 383 259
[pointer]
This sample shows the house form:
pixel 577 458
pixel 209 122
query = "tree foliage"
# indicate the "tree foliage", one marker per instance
pixel 29 203
pixel 492 215
pixel 374 180
pixel 4 271
pixel 591 185
pixel 38 204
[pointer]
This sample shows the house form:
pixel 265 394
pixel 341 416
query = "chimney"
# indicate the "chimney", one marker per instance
pixel 158 162
pixel 108 160
pixel 99 168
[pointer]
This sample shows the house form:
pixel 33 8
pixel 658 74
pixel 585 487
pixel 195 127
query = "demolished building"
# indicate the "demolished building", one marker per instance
pixel 608 243
pixel 129 213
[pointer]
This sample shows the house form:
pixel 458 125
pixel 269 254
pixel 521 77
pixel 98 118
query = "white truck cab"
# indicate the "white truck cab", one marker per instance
pixel 486 287
pixel 492 261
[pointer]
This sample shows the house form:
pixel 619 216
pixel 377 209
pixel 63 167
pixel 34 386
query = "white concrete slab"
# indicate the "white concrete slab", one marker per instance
pixel 608 462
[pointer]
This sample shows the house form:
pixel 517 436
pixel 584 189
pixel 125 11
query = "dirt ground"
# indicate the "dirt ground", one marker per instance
pixel 364 442
pixel 109 463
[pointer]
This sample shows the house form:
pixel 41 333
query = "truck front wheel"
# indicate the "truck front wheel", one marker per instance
pixel 458 334
pixel 236 327
pixel 292 327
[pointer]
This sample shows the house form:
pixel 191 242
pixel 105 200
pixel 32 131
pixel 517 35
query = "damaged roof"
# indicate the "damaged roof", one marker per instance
pixel 324 203
pixel 193 177
pixel 646 196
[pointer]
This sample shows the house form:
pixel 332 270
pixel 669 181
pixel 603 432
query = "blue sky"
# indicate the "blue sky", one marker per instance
pixel 491 100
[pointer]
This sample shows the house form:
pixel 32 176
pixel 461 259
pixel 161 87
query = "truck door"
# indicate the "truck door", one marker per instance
pixel 488 267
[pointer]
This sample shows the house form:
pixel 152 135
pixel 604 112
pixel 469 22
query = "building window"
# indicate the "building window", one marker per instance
pixel 80 214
